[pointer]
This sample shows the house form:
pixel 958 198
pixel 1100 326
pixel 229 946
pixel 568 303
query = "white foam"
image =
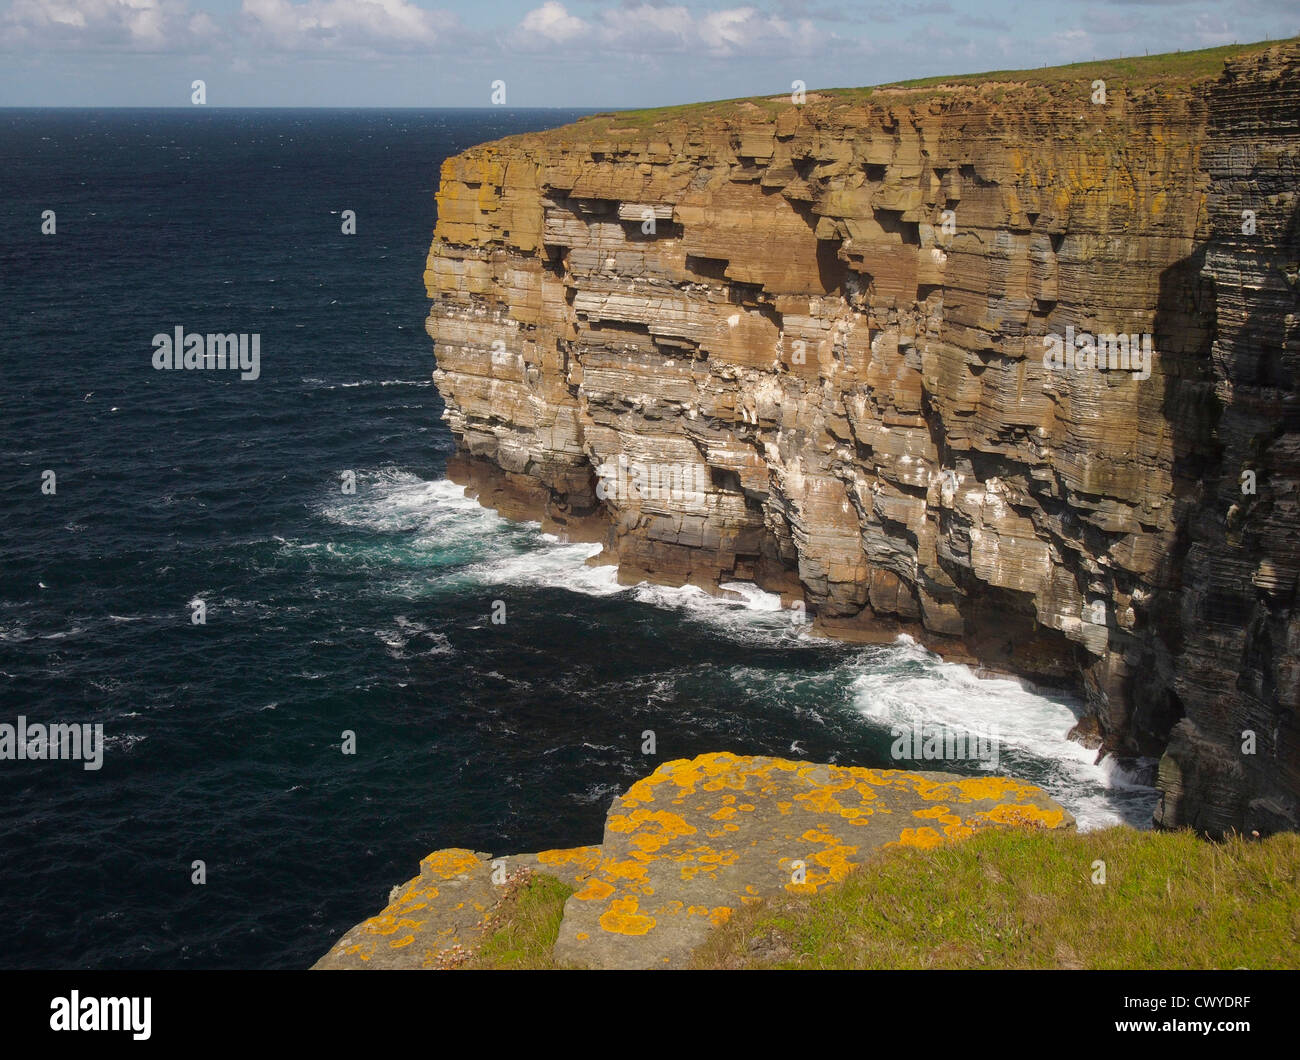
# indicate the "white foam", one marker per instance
pixel 897 684
pixel 1028 723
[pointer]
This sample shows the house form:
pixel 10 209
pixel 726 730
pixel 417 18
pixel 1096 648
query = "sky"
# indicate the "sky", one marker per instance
pixel 565 53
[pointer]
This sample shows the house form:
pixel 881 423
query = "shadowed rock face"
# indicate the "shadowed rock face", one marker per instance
pixel 805 346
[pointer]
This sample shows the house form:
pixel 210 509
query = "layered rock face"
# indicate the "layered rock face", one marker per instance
pixel 805 345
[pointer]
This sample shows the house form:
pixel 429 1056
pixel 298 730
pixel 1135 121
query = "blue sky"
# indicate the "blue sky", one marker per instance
pixel 563 53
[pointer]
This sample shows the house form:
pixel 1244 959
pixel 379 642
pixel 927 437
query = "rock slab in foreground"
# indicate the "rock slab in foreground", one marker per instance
pixel 696 839
pixel 439 912
pixel 684 848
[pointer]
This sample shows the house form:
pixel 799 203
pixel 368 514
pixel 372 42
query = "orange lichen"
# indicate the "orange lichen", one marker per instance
pixel 595 890
pixel 451 862
pixel 1022 814
pixel 583 858
pixel 925 838
pixel 622 918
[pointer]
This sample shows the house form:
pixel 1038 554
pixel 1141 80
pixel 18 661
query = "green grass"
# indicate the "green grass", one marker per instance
pixel 523 926
pixel 1015 899
pixel 1171 68
pixel 1137 69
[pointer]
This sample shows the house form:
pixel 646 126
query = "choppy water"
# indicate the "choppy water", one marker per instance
pixel 329 611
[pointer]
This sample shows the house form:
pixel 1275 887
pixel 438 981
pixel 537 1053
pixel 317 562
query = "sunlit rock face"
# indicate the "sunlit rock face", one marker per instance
pixel 985 365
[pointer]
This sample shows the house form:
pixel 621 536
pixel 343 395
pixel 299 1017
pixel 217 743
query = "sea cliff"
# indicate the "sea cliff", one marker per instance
pixel 809 344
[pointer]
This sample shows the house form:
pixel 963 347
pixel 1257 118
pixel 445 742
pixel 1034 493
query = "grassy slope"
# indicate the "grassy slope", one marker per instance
pixel 523 926
pixel 1014 899
pixel 1004 899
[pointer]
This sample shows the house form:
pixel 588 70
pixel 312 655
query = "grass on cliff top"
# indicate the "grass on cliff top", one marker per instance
pixel 1130 70
pixel 1170 67
pixel 1016 899
pixel 523 926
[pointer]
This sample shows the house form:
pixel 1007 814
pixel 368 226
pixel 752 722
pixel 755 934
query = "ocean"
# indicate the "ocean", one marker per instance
pixel 328 611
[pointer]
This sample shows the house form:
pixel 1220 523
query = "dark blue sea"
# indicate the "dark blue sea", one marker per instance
pixel 329 611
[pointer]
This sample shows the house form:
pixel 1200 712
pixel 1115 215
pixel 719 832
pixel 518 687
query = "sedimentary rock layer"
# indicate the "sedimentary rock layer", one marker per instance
pixel 804 345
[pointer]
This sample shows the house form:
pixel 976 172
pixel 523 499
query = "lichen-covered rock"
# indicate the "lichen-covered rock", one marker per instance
pixel 432 918
pixel 698 838
pixel 829 320
pixel 684 848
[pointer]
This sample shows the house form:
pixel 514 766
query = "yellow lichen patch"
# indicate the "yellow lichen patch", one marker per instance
pixel 719 915
pixel 1022 814
pixel 977 788
pixel 748 807
pixel 643 789
pixel 397 944
pixel 725 813
pixel 582 936
pixel 819 800
pixel 450 863
pixel 595 890
pixel 388 925
pixel 880 778
pixel 633 871
pixel 925 838
pixel 622 918
pixel 930 790
pixel 719 857
pixel 408 899
pixel 815 836
pixel 661 826
pixel 583 858
pixel 835 860
pixel 784 807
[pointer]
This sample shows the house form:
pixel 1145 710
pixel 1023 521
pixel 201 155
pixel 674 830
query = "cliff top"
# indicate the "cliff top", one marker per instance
pixel 1148 72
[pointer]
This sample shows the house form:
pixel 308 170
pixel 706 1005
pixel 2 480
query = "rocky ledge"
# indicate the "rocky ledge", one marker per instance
pixel 804 344
pixel 686 846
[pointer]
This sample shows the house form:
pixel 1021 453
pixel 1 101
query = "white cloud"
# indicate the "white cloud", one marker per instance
pixel 340 25
pixel 553 22
pixel 647 28
pixel 132 25
pixel 364 27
